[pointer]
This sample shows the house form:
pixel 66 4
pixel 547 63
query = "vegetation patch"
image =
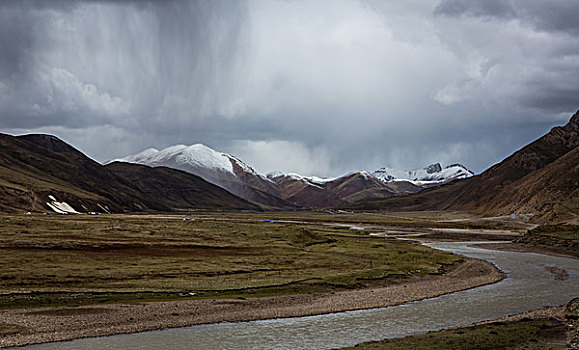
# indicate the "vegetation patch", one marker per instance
pixel 524 334
pixel 78 260
pixel 556 238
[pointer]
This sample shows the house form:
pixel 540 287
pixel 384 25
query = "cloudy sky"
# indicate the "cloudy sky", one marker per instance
pixel 318 87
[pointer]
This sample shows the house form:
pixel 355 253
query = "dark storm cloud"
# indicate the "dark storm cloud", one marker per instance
pixel 476 8
pixel 320 87
pixel 88 63
pixel 549 37
pixel 554 15
pixel 15 40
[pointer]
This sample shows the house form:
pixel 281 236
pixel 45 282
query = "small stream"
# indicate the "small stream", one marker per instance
pixel 529 286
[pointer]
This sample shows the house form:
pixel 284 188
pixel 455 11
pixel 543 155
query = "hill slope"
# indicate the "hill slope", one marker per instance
pixel 219 168
pixel 41 172
pixel 552 193
pixel 509 185
pixel 178 189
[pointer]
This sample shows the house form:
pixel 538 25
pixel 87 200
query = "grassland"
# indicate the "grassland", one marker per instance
pixel 551 328
pixel 524 334
pixel 75 260
pixel 557 239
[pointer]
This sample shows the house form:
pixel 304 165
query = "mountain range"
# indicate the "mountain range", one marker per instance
pixel 41 172
pixel 280 190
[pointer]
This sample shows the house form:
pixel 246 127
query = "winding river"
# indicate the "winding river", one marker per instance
pixel 529 286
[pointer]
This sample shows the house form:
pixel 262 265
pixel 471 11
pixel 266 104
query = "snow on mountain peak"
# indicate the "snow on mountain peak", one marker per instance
pixel 274 174
pixel 311 179
pixel 203 156
pixel 137 158
pixel 433 168
pixel 197 155
pixel 433 173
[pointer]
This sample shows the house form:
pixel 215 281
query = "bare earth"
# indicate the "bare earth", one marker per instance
pixel 40 325
pixel 523 248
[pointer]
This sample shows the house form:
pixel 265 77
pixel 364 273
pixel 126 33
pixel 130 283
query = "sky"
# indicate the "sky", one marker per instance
pixel 317 87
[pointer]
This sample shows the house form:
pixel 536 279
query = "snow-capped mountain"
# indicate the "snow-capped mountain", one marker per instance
pixel 314 180
pixel 432 174
pixel 198 156
pixel 216 167
pixel 313 191
pixel 293 190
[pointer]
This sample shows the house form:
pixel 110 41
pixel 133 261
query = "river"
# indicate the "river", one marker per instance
pixel 528 286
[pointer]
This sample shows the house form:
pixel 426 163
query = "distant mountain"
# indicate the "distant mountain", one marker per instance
pixel 41 172
pixel 359 187
pixel 311 191
pixel 432 174
pixel 540 179
pixel 219 168
pixel 279 190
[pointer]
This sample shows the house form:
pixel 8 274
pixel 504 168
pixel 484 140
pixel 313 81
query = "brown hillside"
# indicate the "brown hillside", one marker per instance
pixel 496 190
pixel 33 167
pixel 178 189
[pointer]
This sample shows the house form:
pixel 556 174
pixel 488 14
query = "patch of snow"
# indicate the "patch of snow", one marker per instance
pixel 105 208
pixel 60 207
pixel 274 174
pixel 366 175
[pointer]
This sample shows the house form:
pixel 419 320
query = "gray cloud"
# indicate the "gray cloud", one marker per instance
pixel 555 15
pixel 324 87
pixel 475 8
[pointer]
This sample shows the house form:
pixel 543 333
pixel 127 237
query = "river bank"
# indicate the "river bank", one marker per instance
pixel 524 248
pixel 40 325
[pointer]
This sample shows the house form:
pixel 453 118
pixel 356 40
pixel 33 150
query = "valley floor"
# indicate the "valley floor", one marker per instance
pixel 38 325
pixel 74 277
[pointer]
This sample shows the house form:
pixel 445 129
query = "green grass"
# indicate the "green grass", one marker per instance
pixel 77 259
pixel 555 238
pixel 524 334
pixel 568 232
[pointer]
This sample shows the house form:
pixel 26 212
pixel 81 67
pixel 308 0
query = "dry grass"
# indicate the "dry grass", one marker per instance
pixel 215 253
pixel 524 334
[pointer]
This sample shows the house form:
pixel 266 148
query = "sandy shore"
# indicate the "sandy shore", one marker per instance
pixel 40 325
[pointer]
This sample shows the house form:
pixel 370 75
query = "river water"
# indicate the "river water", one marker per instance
pixel 529 286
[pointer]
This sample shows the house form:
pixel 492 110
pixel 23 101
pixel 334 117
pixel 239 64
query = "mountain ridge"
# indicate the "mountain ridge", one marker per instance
pixel 41 172
pixel 290 190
